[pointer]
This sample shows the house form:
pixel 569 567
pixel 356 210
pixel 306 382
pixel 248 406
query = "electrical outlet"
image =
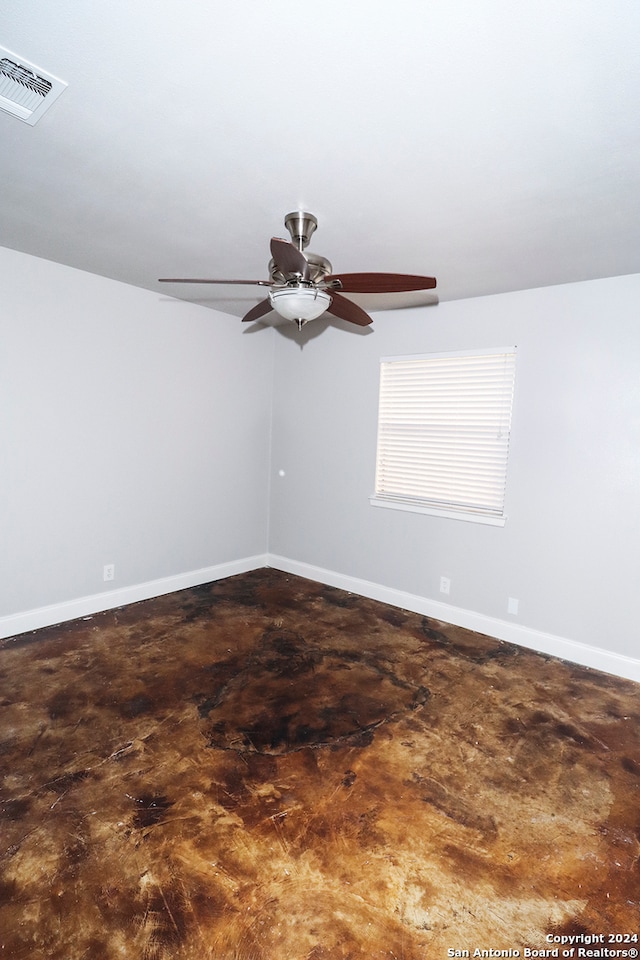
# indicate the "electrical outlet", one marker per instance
pixel 109 571
pixel 512 605
pixel 445 585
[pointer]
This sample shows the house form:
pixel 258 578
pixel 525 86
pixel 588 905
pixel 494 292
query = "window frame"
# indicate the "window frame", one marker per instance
pixel 502 412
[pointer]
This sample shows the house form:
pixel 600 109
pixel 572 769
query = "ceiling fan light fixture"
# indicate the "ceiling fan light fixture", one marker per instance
pixel 299 282
pixel 300 304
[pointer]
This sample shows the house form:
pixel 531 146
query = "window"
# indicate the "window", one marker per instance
pixel 443 433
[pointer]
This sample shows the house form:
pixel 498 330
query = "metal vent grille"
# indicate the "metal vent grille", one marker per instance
pixel 26 91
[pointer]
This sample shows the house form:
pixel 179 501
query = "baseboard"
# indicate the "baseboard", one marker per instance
pixel 547 643
pixel 18 623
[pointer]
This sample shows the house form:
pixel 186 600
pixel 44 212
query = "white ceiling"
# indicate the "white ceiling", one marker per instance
pixel 493 144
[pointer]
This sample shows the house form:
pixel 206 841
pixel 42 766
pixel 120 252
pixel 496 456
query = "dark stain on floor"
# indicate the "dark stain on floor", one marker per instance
pixel 290 694
pixel 266 768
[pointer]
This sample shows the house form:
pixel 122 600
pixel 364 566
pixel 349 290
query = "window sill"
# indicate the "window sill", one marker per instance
pixel 433 511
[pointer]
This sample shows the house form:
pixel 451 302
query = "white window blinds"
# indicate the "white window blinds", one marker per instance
pixel 443 432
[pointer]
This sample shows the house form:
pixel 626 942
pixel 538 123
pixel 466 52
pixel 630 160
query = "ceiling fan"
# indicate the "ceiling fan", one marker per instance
pixel 303 287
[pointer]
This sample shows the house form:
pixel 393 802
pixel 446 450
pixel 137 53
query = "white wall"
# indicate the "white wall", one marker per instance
pixel 571 546
pixel 134 430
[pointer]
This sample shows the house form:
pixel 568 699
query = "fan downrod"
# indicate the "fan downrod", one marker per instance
pixel 300 226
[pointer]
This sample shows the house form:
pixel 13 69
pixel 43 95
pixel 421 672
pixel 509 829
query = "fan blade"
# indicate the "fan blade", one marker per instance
pixel 253 283
pixel 381 282
pixel 260 310
pixel 288 258
pixel 347 310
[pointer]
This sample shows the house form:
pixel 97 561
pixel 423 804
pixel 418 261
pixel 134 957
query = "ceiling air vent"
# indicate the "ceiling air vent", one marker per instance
pixel 26 91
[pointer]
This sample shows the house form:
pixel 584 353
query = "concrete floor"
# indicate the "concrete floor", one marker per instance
pixel 265 768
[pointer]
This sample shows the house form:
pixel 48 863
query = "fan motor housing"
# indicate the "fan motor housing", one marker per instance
pixel 319 269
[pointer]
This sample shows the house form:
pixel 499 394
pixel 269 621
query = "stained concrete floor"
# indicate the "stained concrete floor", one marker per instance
pixel 265 768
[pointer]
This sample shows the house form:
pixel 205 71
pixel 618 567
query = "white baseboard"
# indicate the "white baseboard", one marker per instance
pixel 86 606
pixel 547 643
